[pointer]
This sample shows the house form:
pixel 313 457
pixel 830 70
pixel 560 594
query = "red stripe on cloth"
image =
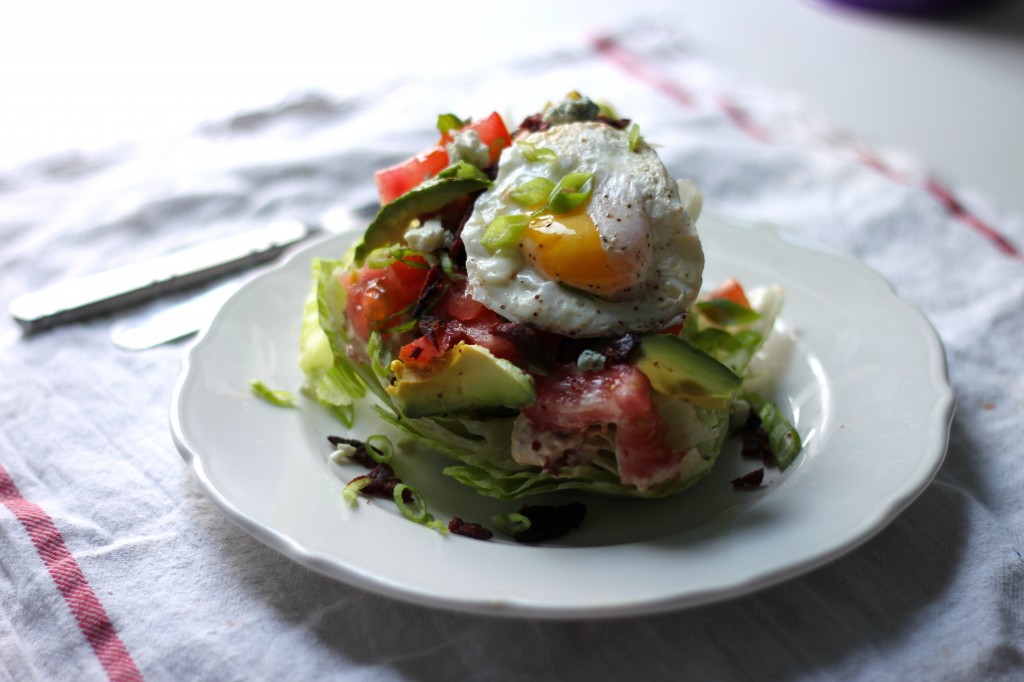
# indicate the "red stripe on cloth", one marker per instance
pixel 742 120
pixel 71 583
pixel 635 65
pixel 945 197
pixel 638 66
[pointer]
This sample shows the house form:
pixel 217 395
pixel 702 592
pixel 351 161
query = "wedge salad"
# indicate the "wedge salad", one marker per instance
pixel 528 303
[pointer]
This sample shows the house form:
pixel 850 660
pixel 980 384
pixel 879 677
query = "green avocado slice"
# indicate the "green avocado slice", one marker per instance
pixel 391 221
pixel 467 378
pixel 682 371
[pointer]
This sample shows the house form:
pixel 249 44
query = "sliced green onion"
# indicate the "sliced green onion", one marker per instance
pixel 278 397
pixel 380 258
pixel 533 153
pixel 533 194
pixel 446 123
pixel 634 136
pixel 783 438
pixel 571 191
pixel 726 313
pixel 511 524
pixel 386 256
pixel 351 491
pixel 504 231
pixel 461 169
pixel 401 328
pixel 346 414
pixel 395 323
pixel 418 511
pixel 380 448
pixel 438 525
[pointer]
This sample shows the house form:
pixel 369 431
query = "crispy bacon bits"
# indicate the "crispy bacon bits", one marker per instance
pixel 548 522
pixel 433 288
pixel 359 456
pixel 534 123
pixel 382 483
pixel 749 481
pixel 754 441
pixel 622 348
pixel 526 340
pixel 468 529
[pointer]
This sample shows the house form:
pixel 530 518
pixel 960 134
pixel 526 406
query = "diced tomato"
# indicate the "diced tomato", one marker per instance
pixel 374 295
pixel 730 290
pixel 395 181
pixel 418 353
pixel 457 317
pixel 571 402
pixel 457 304
pixel 493 133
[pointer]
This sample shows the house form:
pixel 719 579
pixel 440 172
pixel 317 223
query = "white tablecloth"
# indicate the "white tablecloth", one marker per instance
pixel 114 564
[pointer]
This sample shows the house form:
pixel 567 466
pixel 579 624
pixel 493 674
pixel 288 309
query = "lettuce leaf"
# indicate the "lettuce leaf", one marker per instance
pixel 479 448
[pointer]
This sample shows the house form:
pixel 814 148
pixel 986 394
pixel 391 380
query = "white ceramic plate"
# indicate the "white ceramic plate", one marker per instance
pixel 861 372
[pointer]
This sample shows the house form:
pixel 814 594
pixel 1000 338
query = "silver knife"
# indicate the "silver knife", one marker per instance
pixel 172 322
pixel 183 318
pixel 115 289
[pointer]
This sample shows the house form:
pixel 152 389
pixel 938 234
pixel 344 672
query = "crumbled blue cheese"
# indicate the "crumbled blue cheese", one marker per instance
pixel 590 360
pixel 430 236
pixel 467 146
pixel 342 453
pixel 573 108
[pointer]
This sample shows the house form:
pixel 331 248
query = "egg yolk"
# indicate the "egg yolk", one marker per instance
pixel 567 248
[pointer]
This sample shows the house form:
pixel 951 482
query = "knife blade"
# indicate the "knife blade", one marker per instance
pixel 171 323
pixel 128 285
pixel 185 317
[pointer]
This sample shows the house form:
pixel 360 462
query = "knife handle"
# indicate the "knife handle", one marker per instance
pixel 128 285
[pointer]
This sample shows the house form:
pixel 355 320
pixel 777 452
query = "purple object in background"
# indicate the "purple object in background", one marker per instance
pixel 910 6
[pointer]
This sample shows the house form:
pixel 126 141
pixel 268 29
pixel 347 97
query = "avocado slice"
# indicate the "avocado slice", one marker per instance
pixel 391 221
pixel 464 379
pixel 680 370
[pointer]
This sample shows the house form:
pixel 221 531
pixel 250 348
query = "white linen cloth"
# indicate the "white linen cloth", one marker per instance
pixel 180 592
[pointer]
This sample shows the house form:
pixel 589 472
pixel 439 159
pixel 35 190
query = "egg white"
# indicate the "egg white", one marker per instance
pixel 637 210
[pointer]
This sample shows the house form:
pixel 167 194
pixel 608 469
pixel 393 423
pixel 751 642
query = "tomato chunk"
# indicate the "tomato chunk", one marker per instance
pixel 376 294
pixel 419 353
pixel 730 290
pixel 395 181
pixel 457 304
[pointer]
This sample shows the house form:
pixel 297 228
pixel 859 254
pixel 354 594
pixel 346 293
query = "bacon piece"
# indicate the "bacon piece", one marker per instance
pixel 533 123
pixel 469 529
pixel 749 480
pixel 754 441
pixel 360 456
pixel 622 348
pixel 432 290
pixel 535 346
pixel 382 483
pixel 573 402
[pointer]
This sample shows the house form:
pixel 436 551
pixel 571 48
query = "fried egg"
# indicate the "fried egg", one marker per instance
pixel 627 259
